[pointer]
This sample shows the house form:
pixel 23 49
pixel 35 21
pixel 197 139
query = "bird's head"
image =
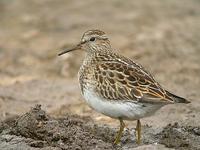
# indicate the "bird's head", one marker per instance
pixel 91 41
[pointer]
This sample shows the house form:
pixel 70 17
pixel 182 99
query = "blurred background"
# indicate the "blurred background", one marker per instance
pixel 163 36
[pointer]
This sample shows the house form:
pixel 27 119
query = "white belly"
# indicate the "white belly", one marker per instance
pixel 125 109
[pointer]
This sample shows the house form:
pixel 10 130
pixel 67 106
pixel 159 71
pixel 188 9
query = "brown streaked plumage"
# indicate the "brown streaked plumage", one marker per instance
pixel 117 86
pixel 129 80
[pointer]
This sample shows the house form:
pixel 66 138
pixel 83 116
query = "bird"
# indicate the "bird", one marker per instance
pixel 117 86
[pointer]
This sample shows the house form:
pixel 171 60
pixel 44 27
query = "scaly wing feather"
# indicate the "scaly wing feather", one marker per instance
pixel 122 79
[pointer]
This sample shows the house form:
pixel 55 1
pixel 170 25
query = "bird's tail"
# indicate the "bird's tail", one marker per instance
pixel 178 99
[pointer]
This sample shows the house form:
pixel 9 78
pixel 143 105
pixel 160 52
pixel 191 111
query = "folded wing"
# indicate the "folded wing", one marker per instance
pixel 120 80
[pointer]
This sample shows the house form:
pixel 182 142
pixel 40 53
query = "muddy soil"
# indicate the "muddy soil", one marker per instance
pixel 35 129
pixel 163 36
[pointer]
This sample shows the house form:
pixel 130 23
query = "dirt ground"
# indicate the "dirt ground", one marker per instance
pixel 35 129
pixel 163 36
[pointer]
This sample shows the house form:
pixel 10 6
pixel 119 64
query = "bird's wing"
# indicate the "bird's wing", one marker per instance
pixel 123 80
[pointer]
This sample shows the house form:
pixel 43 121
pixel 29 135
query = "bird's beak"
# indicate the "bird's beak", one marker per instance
pixel 77 47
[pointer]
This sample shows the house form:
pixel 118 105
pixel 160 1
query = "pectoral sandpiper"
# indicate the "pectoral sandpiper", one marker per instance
pixel 116 86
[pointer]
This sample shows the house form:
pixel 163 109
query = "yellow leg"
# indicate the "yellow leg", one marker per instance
pixel 138 130
pixel 119 135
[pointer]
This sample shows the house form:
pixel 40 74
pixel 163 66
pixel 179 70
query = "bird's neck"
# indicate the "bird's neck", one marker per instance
pixel 102 47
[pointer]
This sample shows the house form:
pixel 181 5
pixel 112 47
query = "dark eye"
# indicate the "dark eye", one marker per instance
pixel 92 39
